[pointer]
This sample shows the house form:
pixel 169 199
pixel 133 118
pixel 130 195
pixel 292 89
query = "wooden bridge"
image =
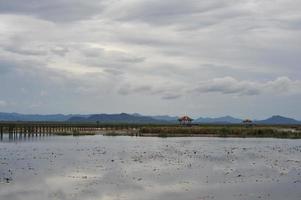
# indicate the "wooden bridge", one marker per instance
pixel 47 128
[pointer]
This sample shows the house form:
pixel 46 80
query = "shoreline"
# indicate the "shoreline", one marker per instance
pixel 287 132
pixel 159 135
pixel 199 131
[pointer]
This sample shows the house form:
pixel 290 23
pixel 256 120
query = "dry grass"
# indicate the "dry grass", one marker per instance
pixel 219 131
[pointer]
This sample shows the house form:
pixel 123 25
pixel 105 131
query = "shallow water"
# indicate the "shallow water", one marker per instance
pixel 133 168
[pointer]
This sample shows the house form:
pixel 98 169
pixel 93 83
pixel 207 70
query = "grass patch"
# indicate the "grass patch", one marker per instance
pixel 220 131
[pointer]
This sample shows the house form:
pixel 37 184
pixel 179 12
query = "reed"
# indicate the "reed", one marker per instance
pixel 220 131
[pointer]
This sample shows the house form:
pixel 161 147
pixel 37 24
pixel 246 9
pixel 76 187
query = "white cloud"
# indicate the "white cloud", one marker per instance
pixel 159 49
pixel 3 103
pixel 223 86
pixel 229 85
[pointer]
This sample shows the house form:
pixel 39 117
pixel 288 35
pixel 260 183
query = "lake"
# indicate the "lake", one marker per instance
pixel 149 168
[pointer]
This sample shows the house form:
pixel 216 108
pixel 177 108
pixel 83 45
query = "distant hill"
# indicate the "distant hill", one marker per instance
pixel 278 120
pixel 218 120
pixel 159 117
pixel 137 118
pixel 33 117
pixel 117 118
pixel 166 118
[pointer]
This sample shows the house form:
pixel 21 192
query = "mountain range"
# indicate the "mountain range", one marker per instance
pixel 278 120
pixel 33 117
pixel 219 120
pixel 116 118
pixel 137 118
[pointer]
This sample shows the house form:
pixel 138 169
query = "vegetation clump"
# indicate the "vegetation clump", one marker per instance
pixel 219 131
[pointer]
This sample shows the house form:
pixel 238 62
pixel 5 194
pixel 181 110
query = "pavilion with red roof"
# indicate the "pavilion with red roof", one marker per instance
pixel 248 122
pixel 185 120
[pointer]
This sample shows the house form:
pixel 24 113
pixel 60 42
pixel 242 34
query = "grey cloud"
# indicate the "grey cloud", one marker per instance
pixel 145 88
pixel 128 89
pixel 114 72
pixel 3 103
pixel 26 81
pixel 130 58
pixel 100 57
pixel 283 85
pixel 5 66
pixel 92 52
pixel 225 86
pixel 18 64
pixel 171 96
pixel 60 50
pixel 229 85
pixel 292 22
pixel 166 12
pixel 165 93
pixel 124 90
pixel 112 55
pixel 24 51
pixel 161 48
pixel 55 10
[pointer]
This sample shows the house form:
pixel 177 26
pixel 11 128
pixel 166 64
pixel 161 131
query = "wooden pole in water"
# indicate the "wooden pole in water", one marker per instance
pixel 1 132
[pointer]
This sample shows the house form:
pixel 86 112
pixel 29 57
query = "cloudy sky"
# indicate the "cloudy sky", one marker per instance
pixel 196 57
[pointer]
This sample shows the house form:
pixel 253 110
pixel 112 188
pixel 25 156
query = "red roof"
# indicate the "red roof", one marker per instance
pixel 185 118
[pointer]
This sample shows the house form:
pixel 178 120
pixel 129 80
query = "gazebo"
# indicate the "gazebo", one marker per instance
pixel 248 122
pixel 185 120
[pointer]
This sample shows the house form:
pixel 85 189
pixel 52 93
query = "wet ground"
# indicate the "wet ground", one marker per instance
pixel 132 168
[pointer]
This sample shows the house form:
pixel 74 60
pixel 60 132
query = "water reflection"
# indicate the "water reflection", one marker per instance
pixel 20 137
pixel 130 168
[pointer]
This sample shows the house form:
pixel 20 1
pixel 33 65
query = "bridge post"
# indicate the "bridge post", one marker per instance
pixel 35 130
pixel 1 132
pixel 29 131
pixel 10 133
pixel 26 131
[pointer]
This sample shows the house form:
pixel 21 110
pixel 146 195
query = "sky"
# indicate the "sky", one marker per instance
pixel 196 57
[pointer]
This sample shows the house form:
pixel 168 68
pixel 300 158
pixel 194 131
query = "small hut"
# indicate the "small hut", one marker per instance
pixel 248 122
pixel 185 120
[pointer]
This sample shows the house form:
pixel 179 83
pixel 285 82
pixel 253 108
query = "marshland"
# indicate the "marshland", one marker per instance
pixel 147 162
pixel 194 168
pixel 150 100
pixel 19 129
